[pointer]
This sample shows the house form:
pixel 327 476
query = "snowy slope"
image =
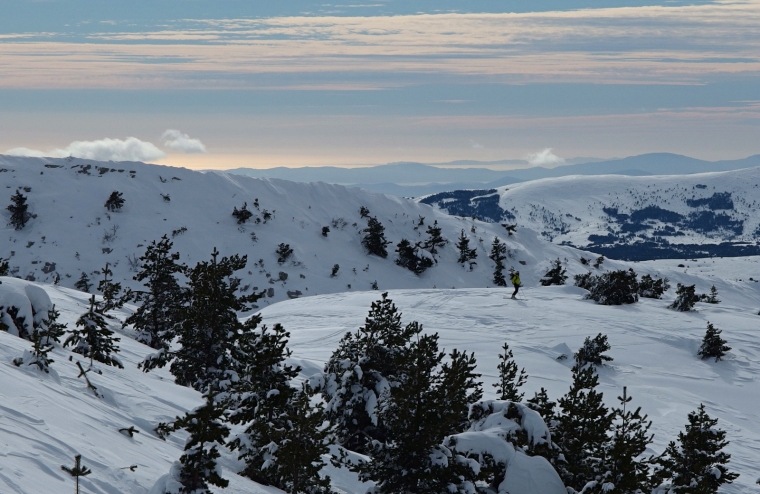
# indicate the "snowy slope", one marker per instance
pixel 70 233
pixel 628 217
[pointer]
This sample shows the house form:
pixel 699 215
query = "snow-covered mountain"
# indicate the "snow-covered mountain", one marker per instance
pixel 624 217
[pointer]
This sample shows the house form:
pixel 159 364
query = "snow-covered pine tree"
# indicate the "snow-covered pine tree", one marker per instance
pixel 374 238
pixel 19 211
pixel 361 371
pixel 207 433
pixel 111 292
pixel 509 379
pixel 713 346
pixel 209 327
pixel 83 283
pixel 434 239
pixel 686 297
pixel 612 287
pixel 498 255
pixel 697 464
pixel 626 471
pixel 463 247
pixel 556 275
pixel 414 459
pixel 712 298
pixel 78 470
pixel 409 258
pixel 115 201
pixel 592 351
pixel 650 287
pixel 155 319
pixel 243 214
pixel 581 429
pixel 94 339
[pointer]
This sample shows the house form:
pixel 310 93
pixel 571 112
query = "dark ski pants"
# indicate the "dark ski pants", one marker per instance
pixel 517 287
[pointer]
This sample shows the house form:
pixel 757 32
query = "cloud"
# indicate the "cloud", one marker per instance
pixel 545 157
pixel 129 149
pixel 476 145
pixel 176 140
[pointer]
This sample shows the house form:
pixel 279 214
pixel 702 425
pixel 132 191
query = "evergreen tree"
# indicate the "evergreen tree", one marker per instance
pixel 77 471
pixel 414 459
pixel 581 429
pixel 463 247
pixel 111 292
pixel 94 339
pixel 207 433
pixel 543 405
pixel 83 284
pixel 712 344
pixel 498 255
pixel 19 210
pixel 374 238
pixel 360 372
pixel 115 201
pixel 712 298
pixel 697 464
pixel 408 257
pixel 592 351
pixel 686 297
pixel 283 253
pixel 43 338
pixel 209 326
pixel 509 379
pixel 611 288
pixel 161 301
pixel 556 275
pixel 653 287
pixel 625 469
pixel 461 388
pixel 4 267
pixel 434 239
pixel 242 215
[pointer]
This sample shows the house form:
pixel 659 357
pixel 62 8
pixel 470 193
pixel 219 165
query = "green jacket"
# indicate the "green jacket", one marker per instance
pixel 515 280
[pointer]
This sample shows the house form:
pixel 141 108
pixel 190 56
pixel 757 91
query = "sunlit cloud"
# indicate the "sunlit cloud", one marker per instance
pixel 544 157
pixel 179 141
pixel 129 149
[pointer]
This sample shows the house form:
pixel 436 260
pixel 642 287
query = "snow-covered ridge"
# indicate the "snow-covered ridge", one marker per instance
pixel 629 217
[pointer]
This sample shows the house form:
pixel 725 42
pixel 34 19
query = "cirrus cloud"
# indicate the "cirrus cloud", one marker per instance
pixel 179 141
pixel 129 149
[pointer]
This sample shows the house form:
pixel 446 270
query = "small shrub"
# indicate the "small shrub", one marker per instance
pixel 115 201
pixel 334 271
pixel 585 261
pixel 283 253
pixel 325 230
pixel 592 351
pixel 712 298
pixel 650 287
pixel 242 215
pixel 556 275
pixel 363 212
pixel 599 261
pixel 686 297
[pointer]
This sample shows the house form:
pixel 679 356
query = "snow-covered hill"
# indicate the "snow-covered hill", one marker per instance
pixel 46 419
pixel 72 232
pixel 636 218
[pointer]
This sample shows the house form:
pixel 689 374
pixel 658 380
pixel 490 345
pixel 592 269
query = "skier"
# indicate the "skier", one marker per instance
pixel 515 279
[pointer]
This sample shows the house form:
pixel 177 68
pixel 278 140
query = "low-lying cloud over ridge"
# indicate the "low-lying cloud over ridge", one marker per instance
pixel 178 141
pixel 544 158
pixel 129 149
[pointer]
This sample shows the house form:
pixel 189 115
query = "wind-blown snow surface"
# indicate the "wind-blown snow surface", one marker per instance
pixel 46 419
pixel 74 233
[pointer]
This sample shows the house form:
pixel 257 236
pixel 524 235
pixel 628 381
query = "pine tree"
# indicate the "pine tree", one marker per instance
pixel 461 388
pixel 625 469
pixel 686 297
pixel 360 372
pixel 4 267
pixel 653 287
pixel 509 379
pixel 556 275
pixel 697 464
pixel 283 253
pixel 115 201
pixel 463 247
pixel 712 298
pixel 94 339
pixel 409 258
pixel 498 255
pixel 592 351
pixel 434 239
pixel 414 459
pixel 19 211
pixel 209 327
pixel 374 238
pixel 712 344
pixel 77 471
pixel 111 292
pixel 157 316
pixel 543 405
pixel 83 284
pixel 581 430
pixel 242 215
pixel 43 338
pixel 207 433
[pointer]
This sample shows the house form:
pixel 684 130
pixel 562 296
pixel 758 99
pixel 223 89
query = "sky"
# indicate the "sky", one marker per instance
pixel 231 83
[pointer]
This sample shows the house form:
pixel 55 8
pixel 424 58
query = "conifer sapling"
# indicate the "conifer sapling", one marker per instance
pixel 498 255
pixel 509 379
pixel 713 346
pixel 78 470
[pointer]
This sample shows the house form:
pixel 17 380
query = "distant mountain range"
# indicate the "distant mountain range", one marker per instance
pixel 417 179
